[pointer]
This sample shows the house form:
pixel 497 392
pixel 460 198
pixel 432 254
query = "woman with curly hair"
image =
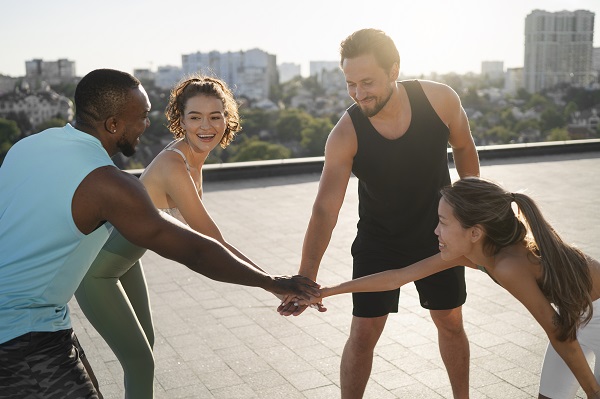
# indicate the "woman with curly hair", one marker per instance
pixel 556 282
pixel 202 113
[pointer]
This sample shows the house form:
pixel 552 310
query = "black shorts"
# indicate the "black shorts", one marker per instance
pixel 441 291
pixel 44 365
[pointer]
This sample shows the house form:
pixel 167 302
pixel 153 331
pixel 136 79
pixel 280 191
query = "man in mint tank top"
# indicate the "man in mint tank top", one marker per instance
pixel 58 190
pixel 394 139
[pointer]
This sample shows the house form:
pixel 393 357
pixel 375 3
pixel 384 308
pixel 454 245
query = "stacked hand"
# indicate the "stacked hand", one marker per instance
pixel 294 305
pixel 297 286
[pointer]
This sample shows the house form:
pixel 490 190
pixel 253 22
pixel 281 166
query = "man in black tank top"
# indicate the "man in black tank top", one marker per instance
pixel 394 139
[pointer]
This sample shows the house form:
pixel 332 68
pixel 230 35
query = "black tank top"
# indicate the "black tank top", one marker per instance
pixel 400 180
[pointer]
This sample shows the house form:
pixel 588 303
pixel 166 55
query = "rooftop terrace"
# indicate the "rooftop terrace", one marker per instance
pixel 215 340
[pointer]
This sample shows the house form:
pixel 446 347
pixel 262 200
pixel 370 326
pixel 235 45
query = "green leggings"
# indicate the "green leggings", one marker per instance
pixel 114 297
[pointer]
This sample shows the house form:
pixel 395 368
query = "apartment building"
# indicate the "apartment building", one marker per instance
pixel 249 74
pixel 558 49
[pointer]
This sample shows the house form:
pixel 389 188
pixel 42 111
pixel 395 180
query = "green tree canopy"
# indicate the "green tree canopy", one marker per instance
pixel 9 134
pixel 257 150
pixel 291 123
pixel 558 134
pixel 537 100
pixel 315 135
pixel 500 135
pixel 256 120
pixel 550 119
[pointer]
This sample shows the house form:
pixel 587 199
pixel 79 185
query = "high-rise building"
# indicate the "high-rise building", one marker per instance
pixel 492 70
pixel 288 71
pixel 51 72
pixel 318 67
pixel 167 76
pixel 596 63
pixel 513 80
pixel 558 49
pixel 249 73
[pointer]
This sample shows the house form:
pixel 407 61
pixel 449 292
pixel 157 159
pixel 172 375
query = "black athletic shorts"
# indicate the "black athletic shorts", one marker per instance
pixel 44 365
pixel 440 291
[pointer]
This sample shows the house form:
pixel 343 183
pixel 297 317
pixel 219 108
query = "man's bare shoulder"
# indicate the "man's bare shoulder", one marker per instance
pixel 342 138
pixel 433 88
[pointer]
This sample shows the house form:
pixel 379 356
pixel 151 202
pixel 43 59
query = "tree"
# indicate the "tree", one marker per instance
pixel 22 121
pixel 570 108
pixel 315 135
pixel 550 119
pixel 471 98
pixel 291 123
pixel 527 124
pixel 500 135
pixel 558 134
pixel 9 134
pixel 537 100
pixel 257 150
pixel 254 121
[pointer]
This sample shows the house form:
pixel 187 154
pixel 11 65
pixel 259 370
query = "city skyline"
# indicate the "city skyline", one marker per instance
pixel 432 36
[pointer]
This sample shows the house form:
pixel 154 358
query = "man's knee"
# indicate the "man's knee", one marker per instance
pixel 448 321
pixel 365 332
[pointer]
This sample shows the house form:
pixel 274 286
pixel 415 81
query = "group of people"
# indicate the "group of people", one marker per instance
pixel 87 231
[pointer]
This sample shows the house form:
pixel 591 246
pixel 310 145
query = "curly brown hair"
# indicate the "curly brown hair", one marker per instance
pixel 209 86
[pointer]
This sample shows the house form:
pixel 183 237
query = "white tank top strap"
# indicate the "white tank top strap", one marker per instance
pixel 187 165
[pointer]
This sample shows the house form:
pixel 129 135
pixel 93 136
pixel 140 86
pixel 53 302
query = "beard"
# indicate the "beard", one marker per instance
pixel 125 147
pixel 379 104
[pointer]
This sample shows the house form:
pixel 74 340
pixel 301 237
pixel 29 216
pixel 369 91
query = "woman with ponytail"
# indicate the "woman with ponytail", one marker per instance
pixel 556 282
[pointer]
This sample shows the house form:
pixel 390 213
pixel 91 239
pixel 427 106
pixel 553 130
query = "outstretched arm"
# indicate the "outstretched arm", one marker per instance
pixel 108 194
pixel 390 279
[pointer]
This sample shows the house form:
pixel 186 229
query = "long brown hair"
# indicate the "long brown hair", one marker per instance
pixel 566 279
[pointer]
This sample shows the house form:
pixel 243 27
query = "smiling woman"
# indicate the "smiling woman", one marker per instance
pixel 202 113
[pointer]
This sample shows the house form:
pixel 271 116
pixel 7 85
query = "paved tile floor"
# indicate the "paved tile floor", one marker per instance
pixel 215 340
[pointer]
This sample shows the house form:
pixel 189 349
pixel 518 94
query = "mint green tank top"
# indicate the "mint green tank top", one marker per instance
pixel 43 256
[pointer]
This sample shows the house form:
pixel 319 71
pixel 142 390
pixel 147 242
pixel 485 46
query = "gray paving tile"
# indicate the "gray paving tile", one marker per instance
pixel 215 340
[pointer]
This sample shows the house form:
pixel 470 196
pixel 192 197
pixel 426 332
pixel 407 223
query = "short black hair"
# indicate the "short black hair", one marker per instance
pixel 102 93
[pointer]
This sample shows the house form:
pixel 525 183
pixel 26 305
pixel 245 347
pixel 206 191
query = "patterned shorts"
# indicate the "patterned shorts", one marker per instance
pixel 44 365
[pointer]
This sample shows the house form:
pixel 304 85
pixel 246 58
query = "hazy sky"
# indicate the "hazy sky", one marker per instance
pixel 431 35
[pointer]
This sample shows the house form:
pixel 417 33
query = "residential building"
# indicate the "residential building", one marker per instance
pixel 492 71
pixel 249 74
pixel 7 84
pixel 596 63
pixel 51 72
pixel 513 80
pixel 558 49
pixel 144 74
pixel 167 76
pixel 288 71
pixel 38 106
pixel 318 67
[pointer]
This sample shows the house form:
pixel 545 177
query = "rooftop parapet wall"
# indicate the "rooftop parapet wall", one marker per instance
pixel 297 166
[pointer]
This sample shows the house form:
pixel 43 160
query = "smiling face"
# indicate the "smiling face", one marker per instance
pixel 134 117
pixel 454 239
pixel 204 122
pixel 368 84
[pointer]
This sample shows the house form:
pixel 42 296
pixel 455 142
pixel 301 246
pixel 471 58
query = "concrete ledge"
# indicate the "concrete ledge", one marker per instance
pixel 295 166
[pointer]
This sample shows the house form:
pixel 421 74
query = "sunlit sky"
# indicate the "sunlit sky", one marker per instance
pixel 432 35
